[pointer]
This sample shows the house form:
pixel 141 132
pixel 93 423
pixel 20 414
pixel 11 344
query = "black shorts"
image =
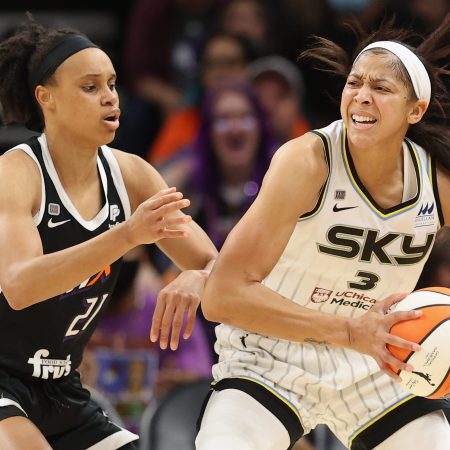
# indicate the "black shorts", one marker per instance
pixel 62 410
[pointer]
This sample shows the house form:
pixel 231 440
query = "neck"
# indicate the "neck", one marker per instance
pixel 74 164
pixel 381 173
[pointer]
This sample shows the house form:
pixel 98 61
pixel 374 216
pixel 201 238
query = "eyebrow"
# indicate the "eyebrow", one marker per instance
pixel 376 80
pixel 98 75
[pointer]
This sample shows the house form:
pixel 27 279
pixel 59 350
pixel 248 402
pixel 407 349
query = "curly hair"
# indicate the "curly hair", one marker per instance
pixel 20 55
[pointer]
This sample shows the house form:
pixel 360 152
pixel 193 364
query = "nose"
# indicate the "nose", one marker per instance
pixel 110 97
pixel 363 95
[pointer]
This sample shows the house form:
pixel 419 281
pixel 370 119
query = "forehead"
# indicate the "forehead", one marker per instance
pixel 223 46
pixel 230 102
pixel 88 61
pixel 378 65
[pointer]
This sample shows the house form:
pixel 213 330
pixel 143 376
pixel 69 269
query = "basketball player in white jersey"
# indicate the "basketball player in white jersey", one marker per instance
pixel 70 208
pixel 340 231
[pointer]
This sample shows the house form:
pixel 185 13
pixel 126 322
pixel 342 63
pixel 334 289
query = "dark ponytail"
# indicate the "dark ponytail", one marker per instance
pixel 21 55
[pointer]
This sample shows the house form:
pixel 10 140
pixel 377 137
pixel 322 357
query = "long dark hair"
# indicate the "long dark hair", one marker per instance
pixel 207 178
pixel 432 132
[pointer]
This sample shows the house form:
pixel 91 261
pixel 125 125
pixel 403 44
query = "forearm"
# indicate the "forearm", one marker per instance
pixel 195 252
pixel 37 279
pixel 254 307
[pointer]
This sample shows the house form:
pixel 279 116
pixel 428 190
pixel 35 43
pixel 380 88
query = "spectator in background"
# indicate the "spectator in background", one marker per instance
pixel 224 56
pixel 250 19
pixel 280 87
pixel 163 39
pixel 231 154
pixel 428 14
pixel 121 362
pixel 223 170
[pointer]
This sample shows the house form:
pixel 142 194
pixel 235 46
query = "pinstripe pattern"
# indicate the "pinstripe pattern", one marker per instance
pixel 338 386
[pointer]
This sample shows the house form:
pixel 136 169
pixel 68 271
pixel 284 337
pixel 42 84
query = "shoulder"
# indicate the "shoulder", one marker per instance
pixel 20 177
pixel 17 164
pixel 304 155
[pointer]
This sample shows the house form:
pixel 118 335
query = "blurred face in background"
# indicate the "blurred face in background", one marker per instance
pixel 235 133
pixel 246 18
pixel 223 58
pixel 279 102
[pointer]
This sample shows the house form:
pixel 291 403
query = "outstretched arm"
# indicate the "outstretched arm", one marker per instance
pixel 194 255
pixel 27 276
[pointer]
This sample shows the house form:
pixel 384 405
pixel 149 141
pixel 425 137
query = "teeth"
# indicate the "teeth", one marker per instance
pixel 362 118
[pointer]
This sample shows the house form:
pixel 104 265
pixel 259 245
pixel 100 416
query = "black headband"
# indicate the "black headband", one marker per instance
pixel 67 46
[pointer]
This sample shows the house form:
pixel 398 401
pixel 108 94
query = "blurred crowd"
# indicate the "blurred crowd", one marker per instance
pixel 209 90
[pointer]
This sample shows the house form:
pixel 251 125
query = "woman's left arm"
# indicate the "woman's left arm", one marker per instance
pixel 194 255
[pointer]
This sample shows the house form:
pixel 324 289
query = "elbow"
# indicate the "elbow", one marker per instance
pixel 13 291
pixel 214 306
pixel 13 298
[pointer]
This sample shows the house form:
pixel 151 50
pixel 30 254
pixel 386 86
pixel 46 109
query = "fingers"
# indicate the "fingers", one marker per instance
pixel 190 322
pixel 383 306
pixel 166 323
pixel 168 226
pixel 388 370
pixel 400 316
pixel 157 319
pixel 393 361
pixel 177 323
pixel 164 198
pixel 169 318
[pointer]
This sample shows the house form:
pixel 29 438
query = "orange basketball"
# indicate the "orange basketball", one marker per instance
pixel 431 374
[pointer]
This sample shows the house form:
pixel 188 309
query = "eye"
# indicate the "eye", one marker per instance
pixel 352 83
pixel 382 89
pixel 90 88
pixel 112 86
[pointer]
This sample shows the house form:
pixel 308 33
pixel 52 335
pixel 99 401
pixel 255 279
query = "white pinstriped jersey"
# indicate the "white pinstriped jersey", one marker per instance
pixel 344 254
pixel 349 251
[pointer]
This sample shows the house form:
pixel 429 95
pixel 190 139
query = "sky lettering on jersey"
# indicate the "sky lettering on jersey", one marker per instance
pixel 350 242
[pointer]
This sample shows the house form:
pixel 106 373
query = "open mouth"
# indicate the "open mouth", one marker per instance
pixel 112 117
pixel 236 143
pixel 363 120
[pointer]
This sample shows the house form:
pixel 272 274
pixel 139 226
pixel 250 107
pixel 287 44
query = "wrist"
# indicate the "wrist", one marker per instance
pixel 342 335
pixel 123 236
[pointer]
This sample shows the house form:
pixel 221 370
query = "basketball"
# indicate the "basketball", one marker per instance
pixel 431 375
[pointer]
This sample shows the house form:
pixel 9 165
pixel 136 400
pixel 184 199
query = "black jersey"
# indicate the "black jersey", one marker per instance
pixel 46 340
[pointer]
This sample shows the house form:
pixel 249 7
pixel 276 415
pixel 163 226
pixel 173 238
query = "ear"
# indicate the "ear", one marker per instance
pixel 417 111
pixel 43 96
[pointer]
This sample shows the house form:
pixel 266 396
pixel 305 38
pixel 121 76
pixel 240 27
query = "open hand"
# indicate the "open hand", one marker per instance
pixel 178 299
pixel 158 218
pixel 369 334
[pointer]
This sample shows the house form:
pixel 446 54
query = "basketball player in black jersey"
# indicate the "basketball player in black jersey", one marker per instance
pixel 70 207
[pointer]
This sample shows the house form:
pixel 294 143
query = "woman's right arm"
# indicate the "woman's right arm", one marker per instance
pixel 234 292
pixel 27 276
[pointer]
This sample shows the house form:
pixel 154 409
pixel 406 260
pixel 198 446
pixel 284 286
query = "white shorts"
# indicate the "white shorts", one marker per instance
pixel 340 388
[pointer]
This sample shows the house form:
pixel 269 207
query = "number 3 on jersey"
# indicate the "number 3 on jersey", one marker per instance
pixel 368 281
pixel 94 306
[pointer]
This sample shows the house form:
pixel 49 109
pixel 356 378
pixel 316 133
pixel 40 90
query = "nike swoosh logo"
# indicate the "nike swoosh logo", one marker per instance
pixel 337 209
pixel 52 224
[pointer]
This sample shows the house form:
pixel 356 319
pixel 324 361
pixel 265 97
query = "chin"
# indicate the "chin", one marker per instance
pixel 358 139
